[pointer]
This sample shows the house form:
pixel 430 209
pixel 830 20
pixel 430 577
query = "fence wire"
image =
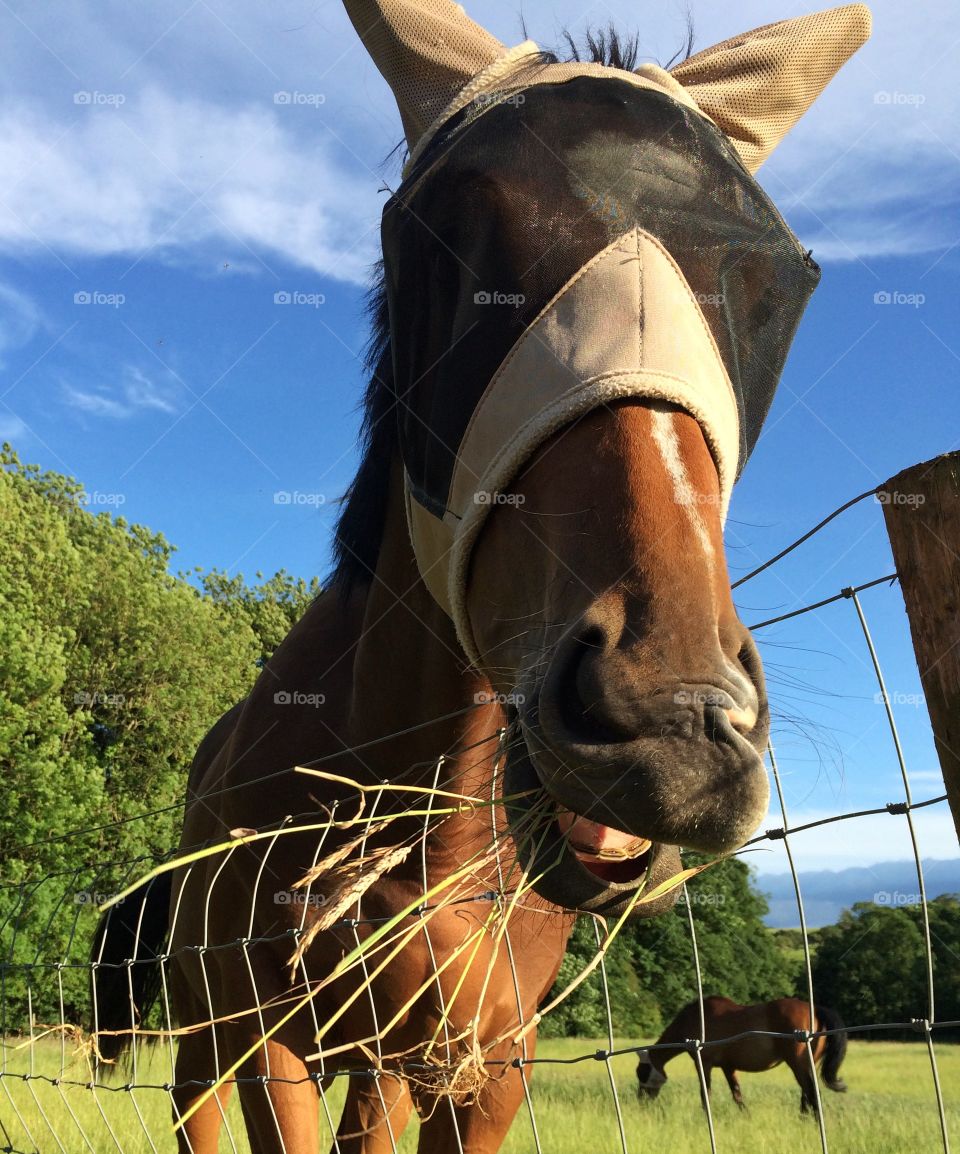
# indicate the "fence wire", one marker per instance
pixel 56 1096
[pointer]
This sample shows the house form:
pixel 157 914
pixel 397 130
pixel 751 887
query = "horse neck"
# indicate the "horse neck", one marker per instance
pixel 677 1031
pixel 411 678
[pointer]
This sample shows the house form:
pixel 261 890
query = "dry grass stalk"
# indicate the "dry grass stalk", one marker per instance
pixel 461 1081
pixel 350 881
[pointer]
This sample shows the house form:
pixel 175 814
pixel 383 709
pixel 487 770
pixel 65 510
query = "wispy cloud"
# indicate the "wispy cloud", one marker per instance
pixel 11 427
pixel 135 394
pixel 20 319
pixel 167 178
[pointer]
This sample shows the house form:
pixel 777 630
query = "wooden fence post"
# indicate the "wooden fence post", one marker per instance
pixel 921 507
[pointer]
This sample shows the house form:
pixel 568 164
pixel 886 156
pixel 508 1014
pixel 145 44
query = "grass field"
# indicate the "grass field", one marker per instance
pixel 890 1108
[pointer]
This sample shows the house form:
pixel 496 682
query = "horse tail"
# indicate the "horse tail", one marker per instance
pixel 126 964
pixel 835 1050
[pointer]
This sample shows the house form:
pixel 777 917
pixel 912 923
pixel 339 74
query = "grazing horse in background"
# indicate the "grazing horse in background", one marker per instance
pixel 586 304
pixel 755 1052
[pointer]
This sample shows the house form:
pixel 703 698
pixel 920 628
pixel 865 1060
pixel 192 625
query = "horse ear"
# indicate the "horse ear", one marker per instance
pixel 755 87
pixel 426 50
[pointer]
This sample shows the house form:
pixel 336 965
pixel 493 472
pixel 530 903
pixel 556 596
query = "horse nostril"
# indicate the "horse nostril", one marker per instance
pixel 587 710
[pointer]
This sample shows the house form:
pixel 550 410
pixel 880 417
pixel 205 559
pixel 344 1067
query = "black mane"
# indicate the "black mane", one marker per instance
pixel 359 528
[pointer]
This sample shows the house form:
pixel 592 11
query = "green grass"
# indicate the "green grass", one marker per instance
pixel 890 1108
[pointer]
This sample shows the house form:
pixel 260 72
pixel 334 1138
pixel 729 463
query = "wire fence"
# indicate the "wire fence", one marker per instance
pixel 56 1096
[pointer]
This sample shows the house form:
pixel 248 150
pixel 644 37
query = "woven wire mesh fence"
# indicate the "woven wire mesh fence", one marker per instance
pixel 57 1095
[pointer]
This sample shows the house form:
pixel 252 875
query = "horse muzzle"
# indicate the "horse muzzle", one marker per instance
pixel 577 863
pixel 595 819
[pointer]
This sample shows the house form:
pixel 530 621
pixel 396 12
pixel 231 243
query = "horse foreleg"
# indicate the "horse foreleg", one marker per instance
pixel 279 1101
pixel 705 1086
pixel 481 1127
pixel 196 1065
pixel 375 1114
pixel 734 1083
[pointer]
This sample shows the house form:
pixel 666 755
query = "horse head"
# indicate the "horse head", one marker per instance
pixel 591 301
pixel 650 1078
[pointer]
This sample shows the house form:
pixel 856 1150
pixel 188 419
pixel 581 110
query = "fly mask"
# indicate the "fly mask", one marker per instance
pixel 571 235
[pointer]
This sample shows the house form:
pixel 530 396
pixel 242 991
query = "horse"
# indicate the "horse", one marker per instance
pixel 525 684
pixel 751 1038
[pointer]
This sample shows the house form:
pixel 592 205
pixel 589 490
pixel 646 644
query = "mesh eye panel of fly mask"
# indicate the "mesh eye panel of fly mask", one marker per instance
pixel 571 235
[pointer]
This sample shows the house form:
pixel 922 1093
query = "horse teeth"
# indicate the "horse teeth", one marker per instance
pixel 640 846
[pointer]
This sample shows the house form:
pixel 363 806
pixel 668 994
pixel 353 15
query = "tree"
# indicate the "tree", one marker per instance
pixel 111 671
pixel 871 966
pixel 270 609
pixel 944 916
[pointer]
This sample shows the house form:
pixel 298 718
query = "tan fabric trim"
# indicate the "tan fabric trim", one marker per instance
pixel 626 325
pixel 627 311
pixel 432 540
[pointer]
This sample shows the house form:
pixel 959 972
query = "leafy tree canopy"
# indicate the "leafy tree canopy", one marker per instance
pixel 111 670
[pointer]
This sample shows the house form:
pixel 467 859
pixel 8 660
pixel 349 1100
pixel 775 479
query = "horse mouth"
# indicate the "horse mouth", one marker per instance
pixel 578 863
pixel 608 854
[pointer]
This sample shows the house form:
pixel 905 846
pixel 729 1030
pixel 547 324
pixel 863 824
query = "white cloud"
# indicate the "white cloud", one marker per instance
pixel 166 177
pixel 136 393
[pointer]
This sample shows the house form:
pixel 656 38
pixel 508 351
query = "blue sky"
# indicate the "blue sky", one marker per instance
pixel 161 201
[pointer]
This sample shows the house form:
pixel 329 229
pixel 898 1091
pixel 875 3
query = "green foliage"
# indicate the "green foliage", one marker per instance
pixel 111 671
pixel 944 915
pixel 584 1013
pixel 270 609
pixel 872 965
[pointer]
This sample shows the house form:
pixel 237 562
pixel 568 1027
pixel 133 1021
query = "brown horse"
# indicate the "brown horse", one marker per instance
pixel 526 682
pixel 753 1039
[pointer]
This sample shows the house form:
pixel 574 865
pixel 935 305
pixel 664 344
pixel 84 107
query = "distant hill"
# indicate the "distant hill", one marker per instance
pixel 826 893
